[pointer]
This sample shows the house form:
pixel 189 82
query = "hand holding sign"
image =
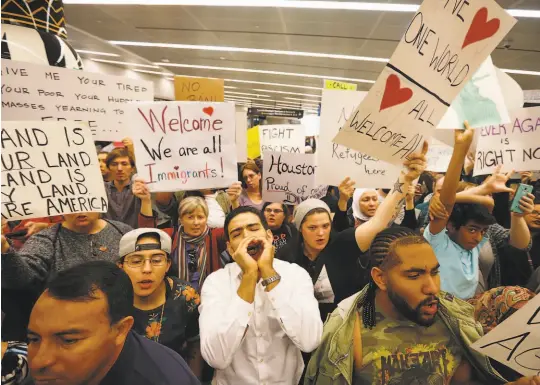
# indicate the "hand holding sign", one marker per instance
pixel 140 189
pixel 526 381
pixel 416 164
pixel 234 192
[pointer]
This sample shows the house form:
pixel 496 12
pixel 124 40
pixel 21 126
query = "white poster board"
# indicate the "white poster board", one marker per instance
pixel 38 92
pixel 283 138
pixel 49 168
pixel 515 145
pixel 441 49
pixel 336 162
pixel 184 145
pixel 290 178
pixel 241 134
pixel 438 156
pixel 480 102
pixel 516 341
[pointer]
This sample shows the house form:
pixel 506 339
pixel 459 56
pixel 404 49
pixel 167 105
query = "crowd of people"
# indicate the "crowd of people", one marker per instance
pixel 218 286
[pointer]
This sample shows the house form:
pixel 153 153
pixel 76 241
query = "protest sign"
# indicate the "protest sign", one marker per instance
pixel 515 145
pixel 438 156
pixel 253 143
pixel 38 92
pixel 49 168
pixel 290 178
pixel 184 145
pixel 283 138
pixel 336 162
pixel 199 89
pixel 241 135
pixel 480 102
pixel 335 85
pixel 516 341
pixel 443 46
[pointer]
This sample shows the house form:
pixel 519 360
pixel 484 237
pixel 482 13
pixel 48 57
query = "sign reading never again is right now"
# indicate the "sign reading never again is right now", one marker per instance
pixel 515 145
pixel 49 168
pixel 443 46
pixel 184 145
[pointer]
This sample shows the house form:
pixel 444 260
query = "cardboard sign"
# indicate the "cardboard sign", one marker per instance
pixel 515 145
pixel 185 145
pixel 290 178
pixel 480 102
pixel 335 85
pixel 199 89
pixel 37 92
pixel 516 341
pixel 49 168
pixel 438 156
pixel 241 135
pixel 253 143
pixel 283 138
pixel 443 46
pixel 336 162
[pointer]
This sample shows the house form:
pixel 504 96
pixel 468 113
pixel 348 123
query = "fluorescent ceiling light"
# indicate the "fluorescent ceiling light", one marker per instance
pixel 272 84
pixel 125 63
pixel 289 93
pixel 230 87
pixel 246 93
pixel 521 72
pixel 333 5
pixel 263 72
pixel 154 72
pixel 302 100
pixel 96 53
pixel 247 50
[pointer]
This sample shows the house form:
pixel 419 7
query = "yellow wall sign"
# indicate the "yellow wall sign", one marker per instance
pixel 335 85
pixel 198 89
pixel 253 143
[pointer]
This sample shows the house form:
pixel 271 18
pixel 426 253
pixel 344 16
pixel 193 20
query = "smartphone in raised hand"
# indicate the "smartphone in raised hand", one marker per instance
pixel 523 189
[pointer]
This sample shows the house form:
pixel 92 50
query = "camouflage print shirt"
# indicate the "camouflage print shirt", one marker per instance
pixel 399 352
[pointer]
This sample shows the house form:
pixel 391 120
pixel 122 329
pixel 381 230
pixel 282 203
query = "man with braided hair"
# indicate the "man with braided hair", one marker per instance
pixel 401 329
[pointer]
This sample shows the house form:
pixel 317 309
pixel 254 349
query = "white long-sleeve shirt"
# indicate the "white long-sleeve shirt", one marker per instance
pixel 259 342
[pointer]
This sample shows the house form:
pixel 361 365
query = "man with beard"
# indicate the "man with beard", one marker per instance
pixel 403 329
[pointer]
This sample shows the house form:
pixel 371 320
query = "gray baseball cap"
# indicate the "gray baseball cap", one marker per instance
pixel 128 243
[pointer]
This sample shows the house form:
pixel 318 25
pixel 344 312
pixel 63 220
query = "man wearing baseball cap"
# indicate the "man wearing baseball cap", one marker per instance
pixel 165 306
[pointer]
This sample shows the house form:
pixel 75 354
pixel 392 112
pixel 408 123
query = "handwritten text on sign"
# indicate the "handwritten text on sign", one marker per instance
pixel 336 162
pixel 438 156
pixel 198 89
pixel 516 341
pixel 442 47
pixel 37 92
pixel 49 168
pixel 283 138
pixel 515 145
pixel 290 178
pixel 185 145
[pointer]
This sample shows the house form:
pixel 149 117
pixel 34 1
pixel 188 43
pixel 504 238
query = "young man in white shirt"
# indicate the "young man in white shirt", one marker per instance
pixel 258 313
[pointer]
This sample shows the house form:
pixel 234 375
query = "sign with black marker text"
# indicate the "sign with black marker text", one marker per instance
pixel 515 145
pixel 283 138
pixel 38 92
pixel 290 178
pixel 49 168
pixel 336 162
pixel 443 46
pixel 516 341
pixel 184 145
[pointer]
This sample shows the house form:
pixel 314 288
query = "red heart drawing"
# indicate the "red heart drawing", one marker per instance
pixel 393 94
pixel 481 28
pixel 208 110
pixel 176 167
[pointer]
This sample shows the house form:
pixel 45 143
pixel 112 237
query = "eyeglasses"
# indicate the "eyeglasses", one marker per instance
pixel 275 211
pixel 136 261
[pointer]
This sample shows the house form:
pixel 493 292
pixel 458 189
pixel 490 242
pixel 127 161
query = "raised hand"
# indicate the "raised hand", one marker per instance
pixel 437 209
pixel 346 190
pixel 140 189
pixel 35 227
pixel 416 164
pixel 266 259
pixel 526 177
pixel 234 191
pixel 464 138
pixel 246 254
pixel 496 182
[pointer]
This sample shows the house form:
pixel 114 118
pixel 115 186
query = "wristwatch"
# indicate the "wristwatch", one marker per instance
pixel 269 280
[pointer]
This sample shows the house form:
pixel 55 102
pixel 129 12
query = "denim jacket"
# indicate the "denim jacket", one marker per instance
pixel 332 363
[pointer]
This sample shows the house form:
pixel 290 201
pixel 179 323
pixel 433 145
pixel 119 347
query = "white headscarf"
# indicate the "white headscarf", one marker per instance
pixel 357 213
